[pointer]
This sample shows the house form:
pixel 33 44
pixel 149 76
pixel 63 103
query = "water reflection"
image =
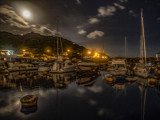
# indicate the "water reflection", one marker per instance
pixel 66 96
pixel 87 79
pixel 28 110
pixel 35 80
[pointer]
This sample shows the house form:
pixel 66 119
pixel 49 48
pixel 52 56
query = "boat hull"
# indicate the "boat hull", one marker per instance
pixel 118 72
pixel 141 74
pixel 64 70
pixel 43 69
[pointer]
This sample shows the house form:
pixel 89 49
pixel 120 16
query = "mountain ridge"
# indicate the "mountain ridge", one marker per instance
pixel 36 43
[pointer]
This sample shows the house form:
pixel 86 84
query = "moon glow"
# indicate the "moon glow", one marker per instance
pixel 26 14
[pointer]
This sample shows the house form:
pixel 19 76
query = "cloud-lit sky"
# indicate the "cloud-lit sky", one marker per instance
pixel 88 22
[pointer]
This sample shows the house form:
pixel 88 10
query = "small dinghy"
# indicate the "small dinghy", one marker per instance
pixel 29 100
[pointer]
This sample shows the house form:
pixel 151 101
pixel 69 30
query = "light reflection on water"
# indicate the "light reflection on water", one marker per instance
pixel 77 96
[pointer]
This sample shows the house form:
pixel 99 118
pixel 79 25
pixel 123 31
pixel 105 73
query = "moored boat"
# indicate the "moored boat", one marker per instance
pixel 118 67
pixel 29 100
pixel 62 66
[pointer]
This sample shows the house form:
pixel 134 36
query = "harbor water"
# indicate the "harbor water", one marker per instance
pixel 77 96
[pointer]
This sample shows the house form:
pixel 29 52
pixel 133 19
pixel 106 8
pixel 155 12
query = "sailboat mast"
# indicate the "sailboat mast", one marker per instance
pixel 125 49
pixel 57 34
pixel 143 35
pixel 61 44
pixel 103 47
pixel 141 48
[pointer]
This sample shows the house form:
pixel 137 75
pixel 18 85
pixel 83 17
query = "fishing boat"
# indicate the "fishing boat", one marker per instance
pixel 141 68
pixel 118 67
pixel 29 100
pixel 62 66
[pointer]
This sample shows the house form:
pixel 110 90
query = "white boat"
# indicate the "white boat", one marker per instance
pixel 141 68
pixel 118 67
pixel 17 66
pixel 43 67
pixel 62 66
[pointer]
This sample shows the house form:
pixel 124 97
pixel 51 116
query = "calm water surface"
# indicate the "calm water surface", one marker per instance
pixel 74 96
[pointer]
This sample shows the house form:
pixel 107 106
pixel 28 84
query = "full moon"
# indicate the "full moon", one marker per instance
pixel 26 14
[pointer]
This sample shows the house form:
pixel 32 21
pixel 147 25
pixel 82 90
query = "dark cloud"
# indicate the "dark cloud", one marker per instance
pixel 11 19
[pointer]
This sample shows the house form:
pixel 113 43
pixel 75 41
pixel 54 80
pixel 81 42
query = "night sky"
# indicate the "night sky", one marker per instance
pixel 88 22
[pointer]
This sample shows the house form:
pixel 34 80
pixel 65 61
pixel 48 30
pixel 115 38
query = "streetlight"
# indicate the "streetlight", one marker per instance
pixel 68 50
pixel 89 52
pixel 24 50
pixel 48 50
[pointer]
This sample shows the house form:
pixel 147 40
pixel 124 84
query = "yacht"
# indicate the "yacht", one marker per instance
pixel 118 67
